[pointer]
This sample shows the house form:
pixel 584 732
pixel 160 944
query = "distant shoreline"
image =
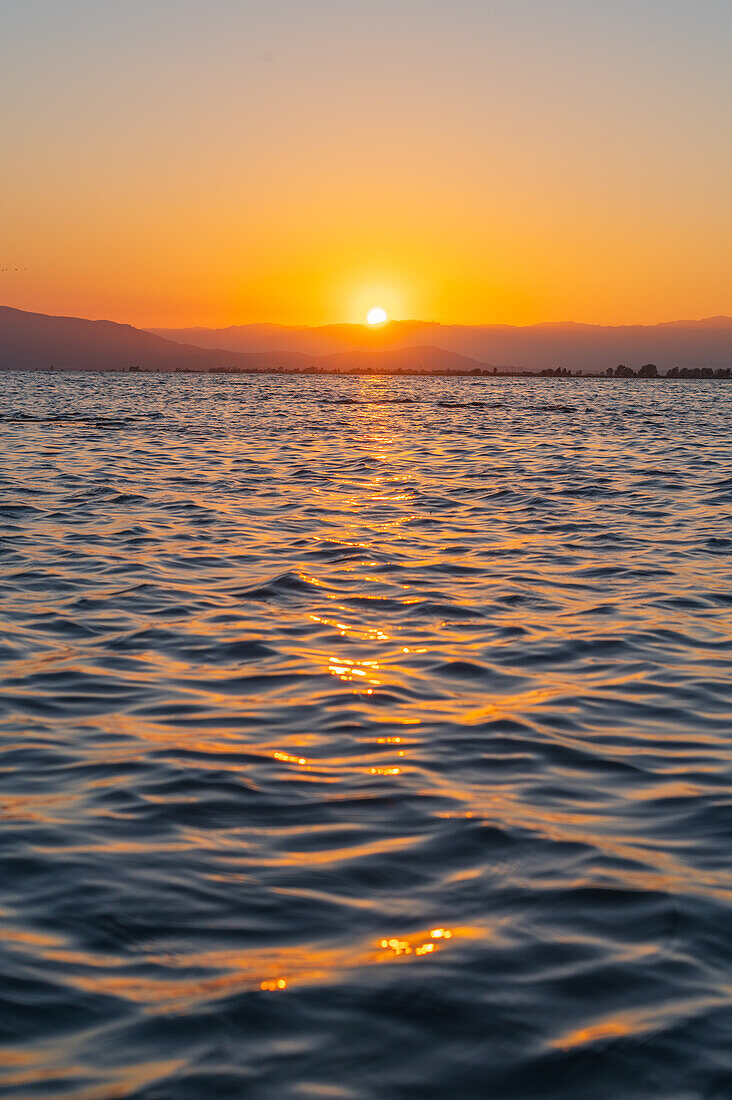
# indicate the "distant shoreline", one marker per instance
pixel 695 374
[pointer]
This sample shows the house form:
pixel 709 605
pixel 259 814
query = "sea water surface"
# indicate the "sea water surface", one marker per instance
pixel 365 738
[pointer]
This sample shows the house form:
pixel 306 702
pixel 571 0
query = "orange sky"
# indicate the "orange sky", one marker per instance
pixel 190 162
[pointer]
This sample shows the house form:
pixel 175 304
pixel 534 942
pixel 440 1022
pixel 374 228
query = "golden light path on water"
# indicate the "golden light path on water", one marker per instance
pixel 365 730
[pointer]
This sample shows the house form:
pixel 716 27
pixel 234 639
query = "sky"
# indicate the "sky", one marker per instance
pixel 215 162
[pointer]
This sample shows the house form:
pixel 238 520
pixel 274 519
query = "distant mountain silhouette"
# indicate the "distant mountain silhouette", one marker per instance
pixel 36 341
pixel 706 343
pixel 324 340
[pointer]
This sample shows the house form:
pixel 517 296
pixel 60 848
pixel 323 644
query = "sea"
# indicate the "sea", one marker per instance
pixel 365 738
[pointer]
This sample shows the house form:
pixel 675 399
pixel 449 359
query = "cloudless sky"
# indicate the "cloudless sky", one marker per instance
pixel 173 162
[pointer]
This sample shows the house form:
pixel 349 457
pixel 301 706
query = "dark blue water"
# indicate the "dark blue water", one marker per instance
pixel 365 738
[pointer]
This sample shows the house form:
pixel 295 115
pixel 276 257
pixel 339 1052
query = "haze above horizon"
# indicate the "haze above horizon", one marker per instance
pixel 206 164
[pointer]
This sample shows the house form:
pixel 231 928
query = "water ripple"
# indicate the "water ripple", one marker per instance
pixel 365 738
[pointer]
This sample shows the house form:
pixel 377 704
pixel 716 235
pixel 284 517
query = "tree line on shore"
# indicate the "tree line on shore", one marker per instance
pixel 648 370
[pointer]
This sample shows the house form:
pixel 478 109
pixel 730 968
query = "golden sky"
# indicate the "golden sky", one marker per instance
pixel 181 162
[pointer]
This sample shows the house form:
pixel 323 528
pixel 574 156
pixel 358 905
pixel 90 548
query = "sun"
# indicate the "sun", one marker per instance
pixel 377 316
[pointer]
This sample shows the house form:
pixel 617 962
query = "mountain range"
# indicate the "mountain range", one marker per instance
pixel 578 347
pixel 37 341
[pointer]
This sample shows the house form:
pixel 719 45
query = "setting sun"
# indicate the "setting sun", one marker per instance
pixel 376 316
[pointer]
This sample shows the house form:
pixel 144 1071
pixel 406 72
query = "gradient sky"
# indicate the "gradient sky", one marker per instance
pixel 174 162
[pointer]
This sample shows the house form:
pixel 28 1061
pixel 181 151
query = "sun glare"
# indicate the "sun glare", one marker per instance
pixel 376 316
